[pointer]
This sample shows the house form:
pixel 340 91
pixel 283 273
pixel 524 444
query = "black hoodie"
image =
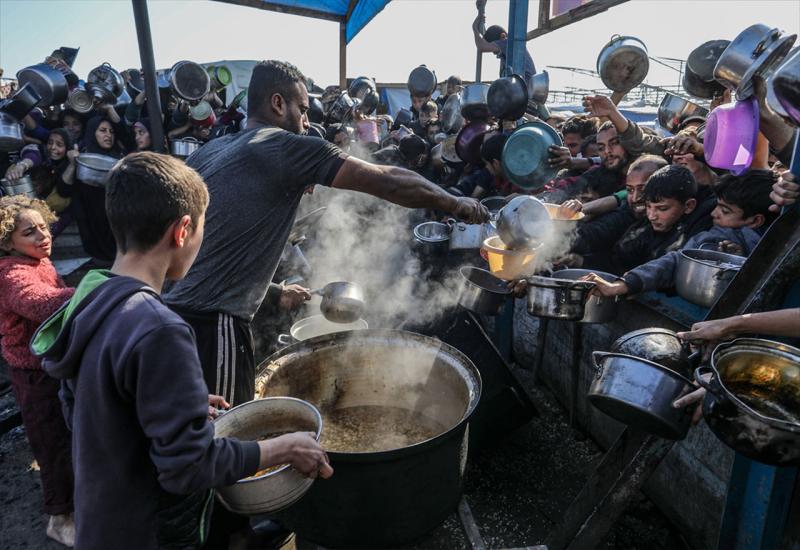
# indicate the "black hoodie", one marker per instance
pixel 135 400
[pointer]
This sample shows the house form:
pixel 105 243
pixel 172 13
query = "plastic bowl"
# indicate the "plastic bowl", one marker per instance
pixel 731 135
pixel 509 264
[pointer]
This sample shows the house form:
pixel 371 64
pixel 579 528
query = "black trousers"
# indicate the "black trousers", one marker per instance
pixel 225 347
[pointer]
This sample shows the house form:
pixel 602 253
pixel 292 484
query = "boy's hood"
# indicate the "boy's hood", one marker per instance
pixel 62 338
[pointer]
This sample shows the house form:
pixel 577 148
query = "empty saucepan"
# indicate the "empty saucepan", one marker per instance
pixel 342 302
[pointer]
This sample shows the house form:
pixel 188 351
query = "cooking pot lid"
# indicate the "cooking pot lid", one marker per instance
pixel 191 80
pixel 525 154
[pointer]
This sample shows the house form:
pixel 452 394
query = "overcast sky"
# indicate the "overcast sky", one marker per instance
pixel 405 34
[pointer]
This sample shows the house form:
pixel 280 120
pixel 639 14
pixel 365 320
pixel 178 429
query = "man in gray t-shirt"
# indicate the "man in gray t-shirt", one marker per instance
pixel 255 181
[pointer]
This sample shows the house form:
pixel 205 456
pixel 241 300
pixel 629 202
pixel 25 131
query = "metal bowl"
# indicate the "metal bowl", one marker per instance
pixel 525 155
pixel 260 419
pixel 675 110
pixel 93 169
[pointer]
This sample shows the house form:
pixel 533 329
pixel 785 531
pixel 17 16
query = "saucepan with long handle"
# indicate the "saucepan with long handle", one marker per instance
pixel 342 302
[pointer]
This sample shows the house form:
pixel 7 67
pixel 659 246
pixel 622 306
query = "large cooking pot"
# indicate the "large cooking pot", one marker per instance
pixel 598 309
pixel 674 111
pixel 450 117
pixel 698 74
pixel 421 81
pixel 659 345
pixel 640 393
pixel 507 97
pixel 10 133
pixel 561 299
pixel 752 401
pixel 481 292
pixel 48 82
pixel 105 83
pixel 93 169
pixel 317 325
pixel 22 102
pixel 182 148
pixel 757 50
pixel 623 63
pixel 475 102
pixel 277 488
pixel 523 223
pixel 469 141
pixel 414 396
pixel 539 87
pixel 23 186
pixel 703 275
pixel 785 83
pixel 525 155
pixel 189 80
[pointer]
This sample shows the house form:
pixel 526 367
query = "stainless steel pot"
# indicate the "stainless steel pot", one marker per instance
pixel 10 133
pixel 369 103
pixel 464 236
pixel 105 83
pixel 93 169
pixel 623 63
pixel 317 325
pixel 659 345
pixel 432 238
pixel 189 80
pixel 703 275
pixel 80 100
pixel 598 308
pixel 507 97
pixel 48 82
pixel 450 117
pixel 421 81
pixel 475 102
pixel 752 401
pixel 494 205
pixel 698 75
pixel 639 393
pixel 182 148
pixel 481 292
pixel 539 87
pixel 21 103
pixel 342 302
pixel 674 111
pixel 23 186
pixel 360 87
pixel 561 299
pixel 785 83
pixel 260 419
pixel 523 223
pixel 381 498
pixel 342 109
pixel 757 50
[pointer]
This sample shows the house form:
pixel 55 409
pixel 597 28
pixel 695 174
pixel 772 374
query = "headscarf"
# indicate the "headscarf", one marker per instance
pixel 90 144
pixel 146 123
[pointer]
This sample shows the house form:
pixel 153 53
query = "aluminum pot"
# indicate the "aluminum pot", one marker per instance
pixel 361 86
pixel 523 223
pixel 93 169
pixel 507 97
pixel 659 345
pixel 383 498
pixel 698 75
pixel 494 205
pixel 561 299
pixel 623 63
pixel 189 80
pixel 785 83
pixel 465 236
pixel 369 103
pixel 317 325
pixel 598 308
pixel 674 111
pixel 469 140
pixel 475 102
pixel 432 238
pixel 342 109
pixel 639 393
pixel 105 83
pixel 80 100
pixel 481 292
pixel 342 301
pixel 182 148
pixel 23 186
pixel 10 133
pixel 450 116
pixel 757 50
pixel 260 419
pixel 421 81
pixel 48 82
pixel 539 87
pixel 22 102
pixel 703 275
pixel 752 401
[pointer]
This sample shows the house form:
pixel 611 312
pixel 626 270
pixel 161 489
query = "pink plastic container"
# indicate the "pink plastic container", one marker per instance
pixel 731 135
pixel 367 131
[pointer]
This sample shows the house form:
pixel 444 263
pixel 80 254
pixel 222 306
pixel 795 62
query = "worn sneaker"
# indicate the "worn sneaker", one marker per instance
pixel 62 529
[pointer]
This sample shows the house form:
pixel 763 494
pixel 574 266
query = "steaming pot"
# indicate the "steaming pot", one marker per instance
pixel 392 497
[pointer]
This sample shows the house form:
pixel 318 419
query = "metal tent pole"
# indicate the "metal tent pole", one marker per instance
pixel 147 57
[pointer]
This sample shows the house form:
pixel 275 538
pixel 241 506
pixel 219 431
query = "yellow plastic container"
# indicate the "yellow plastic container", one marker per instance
pixel 508 264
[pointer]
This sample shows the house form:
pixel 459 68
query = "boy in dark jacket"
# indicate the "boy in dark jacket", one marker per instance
pixel 144 450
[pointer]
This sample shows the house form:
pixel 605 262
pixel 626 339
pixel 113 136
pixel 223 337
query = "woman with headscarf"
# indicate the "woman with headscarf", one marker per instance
pixel 90 200
pixel 141 135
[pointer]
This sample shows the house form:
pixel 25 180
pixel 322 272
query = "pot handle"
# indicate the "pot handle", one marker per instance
pixel 773 34
pixel 704 244
pixel 711 386
pixel 284 339
pixel 597 359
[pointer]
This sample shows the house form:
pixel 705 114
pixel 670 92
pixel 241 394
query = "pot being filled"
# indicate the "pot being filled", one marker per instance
pixel 752 401
pixel 561 299
pixel 395 407
pixel 598 309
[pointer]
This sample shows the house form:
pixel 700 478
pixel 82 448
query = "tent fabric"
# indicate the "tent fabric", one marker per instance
pixel 362 13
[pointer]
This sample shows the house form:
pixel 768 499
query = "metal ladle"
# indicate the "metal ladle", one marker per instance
pixel 342 302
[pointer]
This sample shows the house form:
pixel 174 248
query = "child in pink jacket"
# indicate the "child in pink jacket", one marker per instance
pixel 30 291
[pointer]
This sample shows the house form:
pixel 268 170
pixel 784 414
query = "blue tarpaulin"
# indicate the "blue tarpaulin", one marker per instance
pixel 361 13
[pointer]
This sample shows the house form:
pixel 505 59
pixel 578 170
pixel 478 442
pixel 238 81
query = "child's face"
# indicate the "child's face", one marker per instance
pixel 31 237
pixel 730 215
pixel 56 148
pixel 665 214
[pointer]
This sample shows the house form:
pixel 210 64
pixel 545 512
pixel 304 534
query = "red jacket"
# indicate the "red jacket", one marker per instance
pixel 30 291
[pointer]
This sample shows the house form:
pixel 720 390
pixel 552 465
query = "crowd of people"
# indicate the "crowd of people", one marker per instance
pixel 186 253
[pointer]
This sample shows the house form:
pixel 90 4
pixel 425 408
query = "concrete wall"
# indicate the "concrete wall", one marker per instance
pixel 689 485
